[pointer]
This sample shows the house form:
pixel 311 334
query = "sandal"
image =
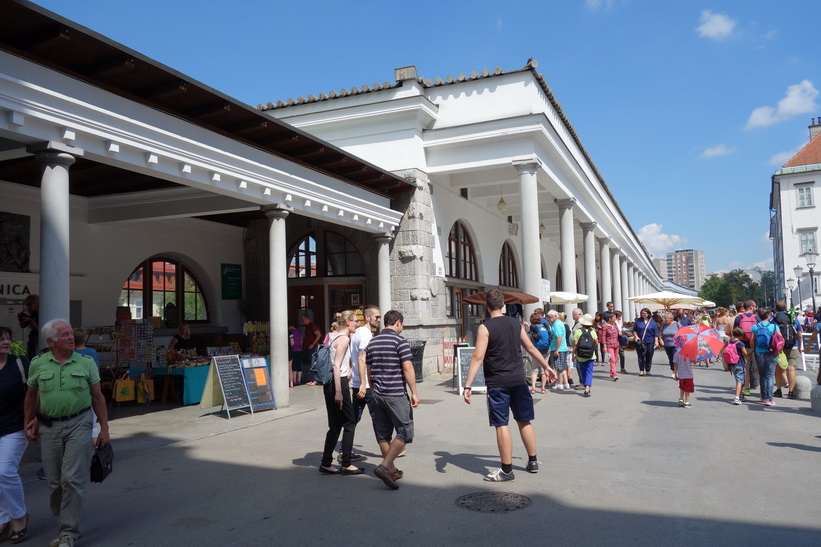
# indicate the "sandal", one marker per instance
pixel 328 470
pixel 4 530
pixel 533 390
pixel 17 536
pixel 544 390
pixel 397 474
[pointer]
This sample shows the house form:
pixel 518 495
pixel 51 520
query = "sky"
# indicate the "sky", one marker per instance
pixel 687 107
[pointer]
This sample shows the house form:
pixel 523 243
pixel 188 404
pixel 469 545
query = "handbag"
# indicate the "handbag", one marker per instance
pixel 641 345
pixel 783 362
pixel 123 389
pixel 102 463
pixel 145 389
pixel 623 341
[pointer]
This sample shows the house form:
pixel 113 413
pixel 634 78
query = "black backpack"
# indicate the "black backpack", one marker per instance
pixel 787 328
pixel 586 346
pixel 322 365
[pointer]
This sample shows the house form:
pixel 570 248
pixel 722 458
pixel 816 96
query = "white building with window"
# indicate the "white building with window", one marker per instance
pixel 795 220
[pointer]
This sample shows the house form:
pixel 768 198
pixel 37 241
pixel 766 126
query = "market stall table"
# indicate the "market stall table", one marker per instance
pixel 193 381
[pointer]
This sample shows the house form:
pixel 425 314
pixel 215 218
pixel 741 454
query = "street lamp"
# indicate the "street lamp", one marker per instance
pixel 799 271
pixel 810 256
pixel 790 287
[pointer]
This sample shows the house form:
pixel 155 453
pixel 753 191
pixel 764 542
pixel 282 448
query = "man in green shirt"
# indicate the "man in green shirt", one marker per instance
pixel 65 385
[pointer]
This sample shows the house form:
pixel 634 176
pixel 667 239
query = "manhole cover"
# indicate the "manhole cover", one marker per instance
pixel 493 502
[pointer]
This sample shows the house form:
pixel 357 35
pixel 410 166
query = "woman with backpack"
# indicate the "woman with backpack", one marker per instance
pixel 585 341
pixel 338 403
pixel 762 333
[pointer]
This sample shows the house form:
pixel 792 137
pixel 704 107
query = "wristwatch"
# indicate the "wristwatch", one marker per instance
pixel 467 387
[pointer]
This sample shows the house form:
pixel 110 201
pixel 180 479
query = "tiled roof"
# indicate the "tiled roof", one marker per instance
pixel 809 155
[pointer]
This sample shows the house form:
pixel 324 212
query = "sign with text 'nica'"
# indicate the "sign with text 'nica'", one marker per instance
pixel 231 281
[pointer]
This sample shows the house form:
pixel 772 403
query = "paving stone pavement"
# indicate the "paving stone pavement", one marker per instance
pixel 624 467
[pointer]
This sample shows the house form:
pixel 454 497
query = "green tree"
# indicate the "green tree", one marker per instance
pixel 715 289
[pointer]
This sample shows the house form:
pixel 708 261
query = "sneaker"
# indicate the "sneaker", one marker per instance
pixel 792 395
pixel 615 378
pixel 673 376
pixel 567 387
pixel 687 405
pixel 500 476
pixel 558 387
pixel 681 402
pixel 769 403
pixel 777 393
pixel 746 392
pixel 532 467
pixel 64 540
pixel 743 399
pixel 586 394
pixel 737 401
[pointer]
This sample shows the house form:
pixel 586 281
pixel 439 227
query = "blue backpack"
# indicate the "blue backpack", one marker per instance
pixel 322 365
pixel 763 335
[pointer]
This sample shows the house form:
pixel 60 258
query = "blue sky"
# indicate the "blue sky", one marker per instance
pixel 686 107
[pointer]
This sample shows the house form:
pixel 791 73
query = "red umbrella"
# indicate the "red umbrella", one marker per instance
pixel 698 342
pixel 511 297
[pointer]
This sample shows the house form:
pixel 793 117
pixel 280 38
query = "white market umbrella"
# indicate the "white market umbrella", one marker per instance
pixel 666 299
pixel 561 297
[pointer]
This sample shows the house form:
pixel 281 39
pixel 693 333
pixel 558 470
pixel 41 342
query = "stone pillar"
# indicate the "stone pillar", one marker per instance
pixel 616 268
pixel 589 238
pixel 606 277
pixel 568 248
pixel 635 283
pixel 625 285
pixel 384 273
pixel 278 291
pixel 531 247
pixel 54 158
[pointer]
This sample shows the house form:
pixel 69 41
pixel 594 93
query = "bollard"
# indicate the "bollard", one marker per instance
pixel 803 387
pixel 815 399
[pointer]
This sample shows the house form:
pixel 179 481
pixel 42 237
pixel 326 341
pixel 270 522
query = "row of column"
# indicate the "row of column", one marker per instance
pixel 619 278
pixel 56 159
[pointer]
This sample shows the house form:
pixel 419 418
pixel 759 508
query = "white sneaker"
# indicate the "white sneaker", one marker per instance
pixel 567 386
pixel 500 476
pixel 558 387
pixel 736 401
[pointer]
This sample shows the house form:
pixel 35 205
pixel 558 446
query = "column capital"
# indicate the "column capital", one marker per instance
pixel 565 203
pixel 588 226
pixel 528 164
pixel 276 212
pixel 54 146
pixel 605 241
pixel 383 238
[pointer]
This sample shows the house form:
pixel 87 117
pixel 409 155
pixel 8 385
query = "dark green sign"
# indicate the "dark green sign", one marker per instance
pixel 231 276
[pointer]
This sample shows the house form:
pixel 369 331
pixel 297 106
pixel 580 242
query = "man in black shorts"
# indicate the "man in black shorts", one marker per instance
pixel 499 344
pixel 390 369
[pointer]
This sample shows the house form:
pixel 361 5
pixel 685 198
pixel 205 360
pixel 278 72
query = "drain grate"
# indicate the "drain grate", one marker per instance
pixel 493 502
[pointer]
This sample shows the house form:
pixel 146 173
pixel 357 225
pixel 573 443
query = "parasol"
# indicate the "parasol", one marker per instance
pixel 698 342
pixel 666 299
pixel 560 297
pixel 511 297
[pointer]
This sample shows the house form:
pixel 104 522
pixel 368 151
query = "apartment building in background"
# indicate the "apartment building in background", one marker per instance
pixel 686 267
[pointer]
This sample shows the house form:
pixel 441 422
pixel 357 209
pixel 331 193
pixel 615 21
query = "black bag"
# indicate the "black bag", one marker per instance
pixel 102 463
pixel 586 346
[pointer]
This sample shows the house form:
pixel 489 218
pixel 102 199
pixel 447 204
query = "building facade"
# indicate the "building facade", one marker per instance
pixel 794 222
pixel 686 268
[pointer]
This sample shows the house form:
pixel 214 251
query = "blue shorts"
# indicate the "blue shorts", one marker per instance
pixel 739 372
pixel 500 400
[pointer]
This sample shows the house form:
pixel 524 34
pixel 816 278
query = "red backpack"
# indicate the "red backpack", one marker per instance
pixel 746 324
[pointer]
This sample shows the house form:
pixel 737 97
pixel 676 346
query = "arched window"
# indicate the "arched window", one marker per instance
pixel 341 257
pixel 303 259
pixel 507 267
pixel 163 287
pixel 461 259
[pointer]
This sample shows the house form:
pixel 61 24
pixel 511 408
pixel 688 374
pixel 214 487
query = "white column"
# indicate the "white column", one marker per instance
pixel 278 298
pixel 635 281
pixel 568 248
pixel 589 238
pixel 616 268
pixel 606 286
pixel 383 262
pixel 531 247
pixel 625 285
pixel 55 290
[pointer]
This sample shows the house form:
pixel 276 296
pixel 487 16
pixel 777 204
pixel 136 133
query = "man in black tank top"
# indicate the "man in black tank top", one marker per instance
pixel 498 346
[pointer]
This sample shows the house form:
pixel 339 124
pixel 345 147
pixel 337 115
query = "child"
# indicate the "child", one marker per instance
pixel 739 368
pixel 541 339
pixel 683 371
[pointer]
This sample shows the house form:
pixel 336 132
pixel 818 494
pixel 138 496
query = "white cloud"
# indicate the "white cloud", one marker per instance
pixel 720 150
pixel 715 26
pixel 799 99
pixel 658 243
pixel 766 264
pixel 783 157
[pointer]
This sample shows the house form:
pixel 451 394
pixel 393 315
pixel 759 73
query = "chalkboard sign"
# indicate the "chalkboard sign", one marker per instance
pixel 232 382
pixel 258 382
pixel 463 356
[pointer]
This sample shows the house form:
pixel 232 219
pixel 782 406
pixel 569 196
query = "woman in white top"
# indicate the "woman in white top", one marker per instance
pixel 338 403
